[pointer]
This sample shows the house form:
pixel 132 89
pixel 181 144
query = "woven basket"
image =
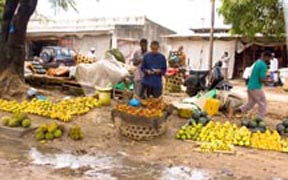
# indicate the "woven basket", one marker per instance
pixel 140 128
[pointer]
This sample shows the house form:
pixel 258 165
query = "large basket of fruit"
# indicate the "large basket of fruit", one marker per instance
pixel 142 123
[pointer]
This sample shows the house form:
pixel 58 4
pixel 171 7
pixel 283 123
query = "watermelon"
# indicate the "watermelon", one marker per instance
pixel 196 115
pixel 285 123
pixel 280 128
pixel 203 120
pixel 203 114
pixel 252 124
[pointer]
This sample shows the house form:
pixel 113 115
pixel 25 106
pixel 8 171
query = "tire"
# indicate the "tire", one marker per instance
pixel 46 57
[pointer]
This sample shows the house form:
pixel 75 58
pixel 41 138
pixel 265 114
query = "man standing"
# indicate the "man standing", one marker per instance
pixel 255 93
pixel 182 56
pixel 274 69
pixel 137 62
pixel 92 54
pixel 225 64
pixel 154 66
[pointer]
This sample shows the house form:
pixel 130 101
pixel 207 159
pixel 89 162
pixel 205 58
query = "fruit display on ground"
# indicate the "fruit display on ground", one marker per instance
pixel 150 108
pixel 49 131
pixel 269 140
pixel 199 118
pixel 17 120
pixel 63 110
pixel 218 136
pixel 75 133
pixel 255 125
pixel 215 146
pixel 282 127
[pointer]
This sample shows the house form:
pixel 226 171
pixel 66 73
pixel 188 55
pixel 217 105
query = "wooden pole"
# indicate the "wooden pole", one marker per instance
pixel 211 35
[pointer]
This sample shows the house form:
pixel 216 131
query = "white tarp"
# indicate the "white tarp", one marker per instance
pixel 104 73
pixel 198 52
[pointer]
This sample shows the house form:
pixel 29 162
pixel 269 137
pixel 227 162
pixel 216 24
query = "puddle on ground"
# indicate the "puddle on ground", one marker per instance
pixel 101 166
pixel 184 173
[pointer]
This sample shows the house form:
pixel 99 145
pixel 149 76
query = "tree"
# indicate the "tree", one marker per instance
pixel 14 23
pixel 249 17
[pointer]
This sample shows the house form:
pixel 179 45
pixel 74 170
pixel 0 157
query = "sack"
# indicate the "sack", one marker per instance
pixel 247 73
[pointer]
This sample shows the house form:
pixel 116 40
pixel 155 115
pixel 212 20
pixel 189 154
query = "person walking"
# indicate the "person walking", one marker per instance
pixel 154 66
pixel 137 60
pixel 225 64
pixel 255 91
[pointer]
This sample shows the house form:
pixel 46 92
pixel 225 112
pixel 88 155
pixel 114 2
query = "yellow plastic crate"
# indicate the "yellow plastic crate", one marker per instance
pixel 212 106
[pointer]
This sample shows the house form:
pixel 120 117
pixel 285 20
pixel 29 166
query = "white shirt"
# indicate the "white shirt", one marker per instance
pixel 91 55
pixel 225 61
pixel 274 65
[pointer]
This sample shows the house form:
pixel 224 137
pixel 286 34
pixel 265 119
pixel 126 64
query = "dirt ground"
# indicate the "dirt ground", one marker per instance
pixel 102 136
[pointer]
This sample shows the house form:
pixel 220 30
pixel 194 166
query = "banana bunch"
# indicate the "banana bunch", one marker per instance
pixel 217 145
pixel 269 140
pixel 63 110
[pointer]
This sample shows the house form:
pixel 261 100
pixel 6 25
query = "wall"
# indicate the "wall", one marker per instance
pixel 150 31
pixel 155 31
pixel 101 43
pixel 198 51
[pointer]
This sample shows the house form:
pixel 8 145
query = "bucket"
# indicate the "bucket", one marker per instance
pixel 104 95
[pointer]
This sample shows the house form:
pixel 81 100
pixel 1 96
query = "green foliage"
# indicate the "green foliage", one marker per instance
pixel 249 17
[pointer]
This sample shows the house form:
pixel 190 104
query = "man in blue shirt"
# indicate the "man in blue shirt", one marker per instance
pixel 154 66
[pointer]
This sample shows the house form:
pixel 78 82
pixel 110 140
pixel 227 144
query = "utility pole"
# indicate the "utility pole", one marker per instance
pixel 211 35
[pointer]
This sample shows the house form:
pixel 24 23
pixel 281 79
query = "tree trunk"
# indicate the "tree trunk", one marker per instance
pixel 12 47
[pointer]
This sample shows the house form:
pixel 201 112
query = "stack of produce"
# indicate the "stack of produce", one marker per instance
pixel 255 125
pixel 49 131
pixel 269 140
pixel 150 108
pixel 63 110
pixel 199 118
pixel 282 127
pixel 75 133
pixel 217 136
pixel 18 120
pixel 81 59
pixel 216 146
pixel 189 132
pixel 227 133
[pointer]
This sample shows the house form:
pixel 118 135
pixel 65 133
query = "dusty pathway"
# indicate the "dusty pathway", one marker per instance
pixel 165 152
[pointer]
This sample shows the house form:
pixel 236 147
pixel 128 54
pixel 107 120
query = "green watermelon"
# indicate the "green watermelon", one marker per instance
pixel 262 124
pixel 203 120
pixel 203 114
pixel 196 115
pixel 252 124
pixel 280 128
pixel 258 120
pixel 245 123
pixel 285 123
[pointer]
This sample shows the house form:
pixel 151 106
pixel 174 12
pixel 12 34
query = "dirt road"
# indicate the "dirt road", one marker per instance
pixel 144 160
